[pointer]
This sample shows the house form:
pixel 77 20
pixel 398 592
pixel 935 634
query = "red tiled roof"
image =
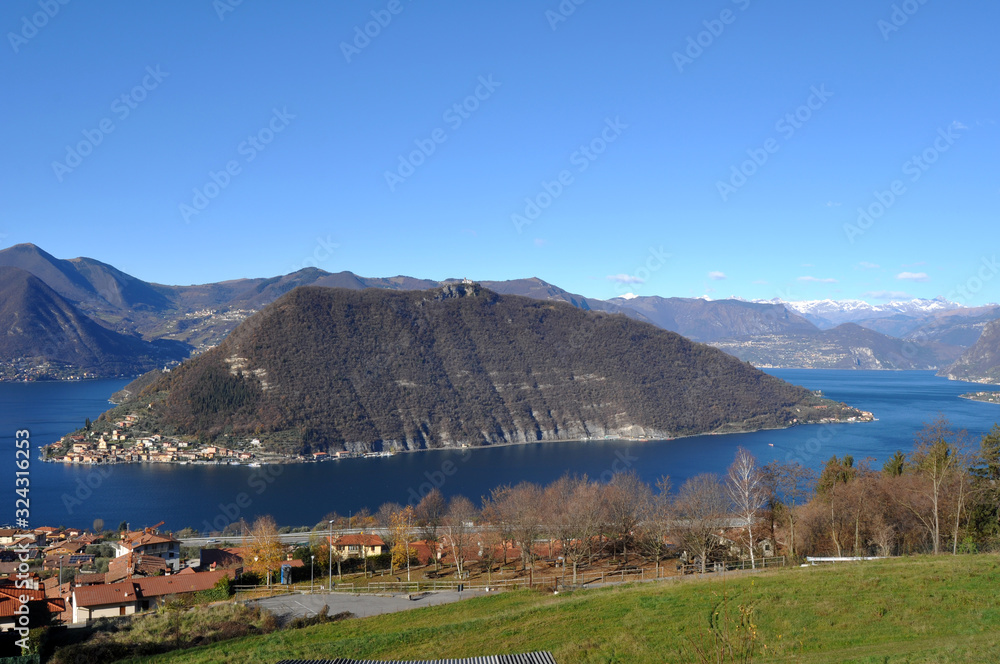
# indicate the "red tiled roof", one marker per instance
pixel 89 578
pixel 142 538
pixel 157 586
pixel 142 565
pixel 220 557
pixel 12 591
pixel 10 603
pixel 356 540
pixel 104 594
pixel 68 547
pixel 52 589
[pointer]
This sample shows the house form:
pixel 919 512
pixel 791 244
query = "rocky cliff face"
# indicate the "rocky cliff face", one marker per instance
pixel 981 362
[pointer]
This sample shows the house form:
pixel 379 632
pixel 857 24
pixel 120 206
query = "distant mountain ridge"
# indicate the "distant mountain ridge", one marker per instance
pixel 981 362
pixel 830 313
pixel 711 320
pixel 201 316
pixel 41 328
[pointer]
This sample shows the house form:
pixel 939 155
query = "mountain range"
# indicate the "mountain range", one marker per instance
pixel 42 329
pixel 917 334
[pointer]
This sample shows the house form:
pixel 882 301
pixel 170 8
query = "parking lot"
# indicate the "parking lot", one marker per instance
pixel 304 605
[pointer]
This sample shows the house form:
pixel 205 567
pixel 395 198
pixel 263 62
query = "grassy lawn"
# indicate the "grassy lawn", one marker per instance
pixel 911 610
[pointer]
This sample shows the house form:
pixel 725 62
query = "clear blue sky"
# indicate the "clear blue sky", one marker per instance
pixel 337 120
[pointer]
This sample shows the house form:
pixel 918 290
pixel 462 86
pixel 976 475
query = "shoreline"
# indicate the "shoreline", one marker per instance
pixel 258 463
pixel 982 397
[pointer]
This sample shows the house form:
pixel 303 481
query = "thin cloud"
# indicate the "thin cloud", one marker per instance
pixel 913 276
pixel 958 125
pixel 818 280
pixel 869 266
pixel 832 204
pixel 887 295
pixel 716 276
pixel 539 242
pixel 625 279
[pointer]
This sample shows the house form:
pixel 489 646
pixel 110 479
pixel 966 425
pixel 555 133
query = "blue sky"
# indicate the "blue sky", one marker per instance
pixel 675 149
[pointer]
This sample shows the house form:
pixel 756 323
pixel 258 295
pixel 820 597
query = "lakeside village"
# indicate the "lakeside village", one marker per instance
pixel 124 444
pixel 986 397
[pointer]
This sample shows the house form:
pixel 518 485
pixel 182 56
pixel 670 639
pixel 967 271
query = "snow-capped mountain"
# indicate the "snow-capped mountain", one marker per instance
pixel 830 313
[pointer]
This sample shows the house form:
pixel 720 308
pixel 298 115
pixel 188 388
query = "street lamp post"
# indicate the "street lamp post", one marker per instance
pixel 330 561
pixel 312 566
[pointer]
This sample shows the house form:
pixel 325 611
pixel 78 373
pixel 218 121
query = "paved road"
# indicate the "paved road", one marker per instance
pixel 286 538
pixel 296 606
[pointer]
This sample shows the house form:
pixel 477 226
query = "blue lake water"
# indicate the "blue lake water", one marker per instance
pixel 205 497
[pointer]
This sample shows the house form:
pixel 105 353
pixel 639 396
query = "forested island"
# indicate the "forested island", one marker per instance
pixel 326 370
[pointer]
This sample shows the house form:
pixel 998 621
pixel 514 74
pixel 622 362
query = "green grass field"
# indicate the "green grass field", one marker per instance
pixel 924 609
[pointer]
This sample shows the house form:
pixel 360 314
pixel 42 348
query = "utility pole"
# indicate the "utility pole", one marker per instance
pixel 331 556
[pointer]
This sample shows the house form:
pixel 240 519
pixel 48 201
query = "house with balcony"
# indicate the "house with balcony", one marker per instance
pixel 149 542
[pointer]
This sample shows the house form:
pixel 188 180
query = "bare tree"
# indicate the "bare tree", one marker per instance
pixel 430 513
pixel 701 507
pixel 793 486
pixel 520 508
pixel 459 531
pixel 831 488
pixel 624 498
pixel 748 494
pixel 961 484
pixel 575 511
pixel 496 512
pixel 933 463
pixel 657 520
pixel 383 517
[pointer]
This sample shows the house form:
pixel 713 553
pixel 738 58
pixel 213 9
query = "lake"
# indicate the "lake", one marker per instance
pixel 209 497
